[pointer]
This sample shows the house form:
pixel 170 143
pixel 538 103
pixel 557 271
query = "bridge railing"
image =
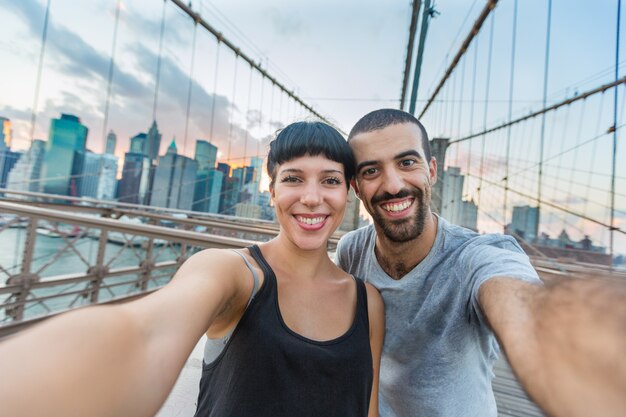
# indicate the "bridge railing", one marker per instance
pixel 58 260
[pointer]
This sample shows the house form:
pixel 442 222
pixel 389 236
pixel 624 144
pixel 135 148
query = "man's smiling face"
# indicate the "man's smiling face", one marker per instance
pixel 394 179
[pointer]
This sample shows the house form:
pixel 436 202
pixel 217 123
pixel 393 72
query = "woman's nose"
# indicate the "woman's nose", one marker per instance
pixel 311 196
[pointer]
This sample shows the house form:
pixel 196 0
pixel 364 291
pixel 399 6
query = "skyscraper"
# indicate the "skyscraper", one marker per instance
pixel 26 173
pixel 8 159
pixel 99 176
pixel 525 222
pixel 208 184
pixel 153 142
pixel 63 161
pixel 138 143
pixel 5 133
pixel 173 182
pixel 134 184
pixel 111 142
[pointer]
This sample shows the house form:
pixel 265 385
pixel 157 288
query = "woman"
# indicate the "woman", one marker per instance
pixel 298 335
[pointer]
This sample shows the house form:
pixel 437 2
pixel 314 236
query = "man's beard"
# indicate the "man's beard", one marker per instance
pixel 408 228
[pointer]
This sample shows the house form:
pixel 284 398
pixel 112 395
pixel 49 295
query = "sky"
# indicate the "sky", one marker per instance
pixel 344 59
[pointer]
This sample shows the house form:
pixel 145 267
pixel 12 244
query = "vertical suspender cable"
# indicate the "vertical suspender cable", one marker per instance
pixel 469 152
pixel 247 115
pixel 487 85
pixel 510 115
pixel 612 223
pixel 158 74
pixel 44 38
pixel 217 62
pixel 190 84
pixel 110 75
pixel 232 110
pixel 543 116
pixel 461 106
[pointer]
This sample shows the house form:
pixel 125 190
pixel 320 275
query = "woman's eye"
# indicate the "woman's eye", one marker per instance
pixel 289 178
pixel 332 181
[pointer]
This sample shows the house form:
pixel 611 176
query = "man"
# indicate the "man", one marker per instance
pixel 449 293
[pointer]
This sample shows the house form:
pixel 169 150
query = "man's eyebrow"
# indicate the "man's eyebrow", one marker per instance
pixel 412 152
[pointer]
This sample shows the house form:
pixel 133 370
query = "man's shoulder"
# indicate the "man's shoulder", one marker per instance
pixel 468 239
pixel 357 236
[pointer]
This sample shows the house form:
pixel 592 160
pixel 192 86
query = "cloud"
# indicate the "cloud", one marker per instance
pixel 72 54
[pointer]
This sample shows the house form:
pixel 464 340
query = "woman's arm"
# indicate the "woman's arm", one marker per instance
pixel 376 311
pixel 122 359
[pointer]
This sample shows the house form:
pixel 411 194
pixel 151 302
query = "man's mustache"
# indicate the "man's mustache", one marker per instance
pixel 417 193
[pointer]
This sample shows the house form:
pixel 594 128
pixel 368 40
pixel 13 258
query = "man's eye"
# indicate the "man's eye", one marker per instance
pixel 368 171
pixel 407 162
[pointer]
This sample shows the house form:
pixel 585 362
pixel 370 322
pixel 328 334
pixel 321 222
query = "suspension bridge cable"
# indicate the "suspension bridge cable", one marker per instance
pixel 232 109
pixel 190 84
pixel 545 94
pixel 486 108
pixel 42 50
pixel 217 62
pixel 110 74
pixel 614 150
pixel 556 106
pixel 409 50
pixel 491 4
pixel 158 73
pixel 510 111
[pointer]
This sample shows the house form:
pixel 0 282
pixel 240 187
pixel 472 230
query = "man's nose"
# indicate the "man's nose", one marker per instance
pixel 392 182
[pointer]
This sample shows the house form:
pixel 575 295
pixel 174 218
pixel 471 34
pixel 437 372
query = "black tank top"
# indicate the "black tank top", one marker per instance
pixel 267 370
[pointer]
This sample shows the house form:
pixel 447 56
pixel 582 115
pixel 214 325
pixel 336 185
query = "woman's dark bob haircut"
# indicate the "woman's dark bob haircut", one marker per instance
pixel 313 139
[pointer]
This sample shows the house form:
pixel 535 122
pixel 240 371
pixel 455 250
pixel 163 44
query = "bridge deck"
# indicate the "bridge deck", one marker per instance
pixel 511 399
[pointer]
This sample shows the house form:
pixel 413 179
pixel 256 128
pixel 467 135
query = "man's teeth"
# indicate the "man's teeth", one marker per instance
pixel 310 220
pixel 397 206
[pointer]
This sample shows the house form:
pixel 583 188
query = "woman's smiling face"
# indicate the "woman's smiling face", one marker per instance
pixel 310 197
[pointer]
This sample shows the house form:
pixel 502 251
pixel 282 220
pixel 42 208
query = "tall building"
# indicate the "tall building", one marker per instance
pixel 138 143
pixel 5 133
pixel 208 191
pixel 153 142
pixel 64 158
pixel 135 182
pixel 8 159
pixel 525 222
pixel 26 173
pixel 173 182
pixel 208 184
pixel 351 216
pixel 230 195
pixel 453 207
pixel 99 176
pixel 224 168
pixel 111 142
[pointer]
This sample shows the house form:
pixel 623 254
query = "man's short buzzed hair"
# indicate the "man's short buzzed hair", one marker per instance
pixel 380 119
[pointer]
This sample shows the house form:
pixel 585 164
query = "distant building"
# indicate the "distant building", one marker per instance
pixel 230 195
pixel 8 159
pixel 251 211
pixel 111 142
pixel 174 178
pixel 351 218
pixel 138 143
pixel 99 176
pixel 64 158
pixel 453 207
pixel 208 184
pixel 224 168
pixel 153 142
pixel 26 173
pixel 267 211
pixel 5 133
pixel 134 184
pixel 525 222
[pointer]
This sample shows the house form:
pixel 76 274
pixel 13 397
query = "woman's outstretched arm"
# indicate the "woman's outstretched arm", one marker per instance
pixel 123 359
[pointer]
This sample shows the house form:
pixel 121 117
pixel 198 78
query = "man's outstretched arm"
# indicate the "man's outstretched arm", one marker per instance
pixel 566 341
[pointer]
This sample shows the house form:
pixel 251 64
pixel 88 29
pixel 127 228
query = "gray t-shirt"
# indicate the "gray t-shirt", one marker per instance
pixel 439 351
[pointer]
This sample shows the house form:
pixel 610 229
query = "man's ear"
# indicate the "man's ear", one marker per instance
pixel 432 170
pixel 356 188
